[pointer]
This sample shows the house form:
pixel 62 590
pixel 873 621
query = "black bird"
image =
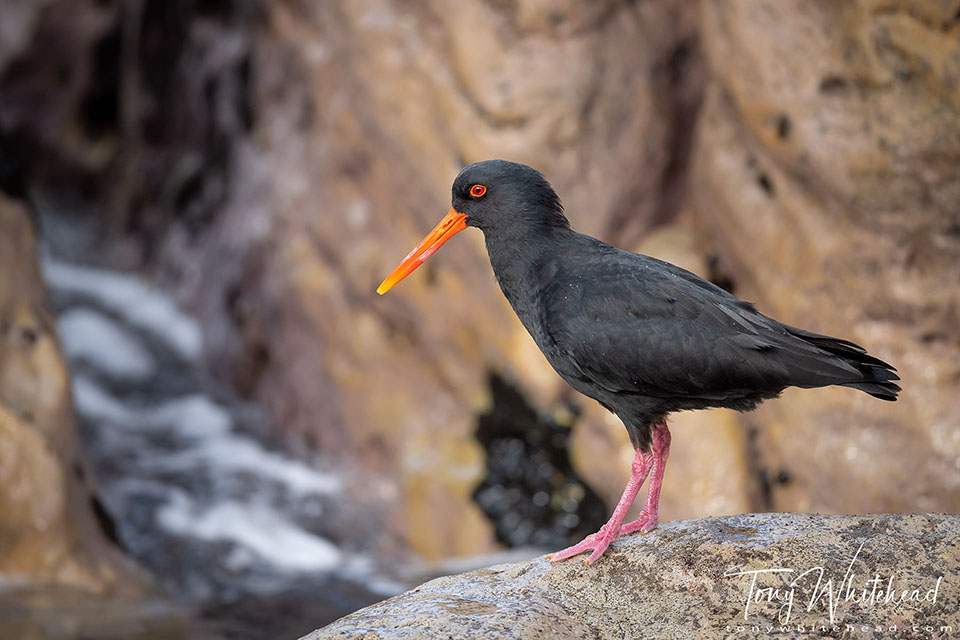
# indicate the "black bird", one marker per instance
pixel 641 336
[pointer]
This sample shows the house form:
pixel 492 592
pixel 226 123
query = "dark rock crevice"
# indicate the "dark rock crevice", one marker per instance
pixel 679 77
pixel 531 492
pixel 137 105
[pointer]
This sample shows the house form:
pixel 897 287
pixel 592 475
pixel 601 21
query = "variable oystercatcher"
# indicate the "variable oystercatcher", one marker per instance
pixel 641 336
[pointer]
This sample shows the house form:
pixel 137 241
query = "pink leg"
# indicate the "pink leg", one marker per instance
pixel 647 521
pixel 609 532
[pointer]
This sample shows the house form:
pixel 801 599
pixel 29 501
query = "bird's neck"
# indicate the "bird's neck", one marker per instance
pixel 523 259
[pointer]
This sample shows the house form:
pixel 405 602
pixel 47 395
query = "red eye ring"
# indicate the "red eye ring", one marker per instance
pixel 477 190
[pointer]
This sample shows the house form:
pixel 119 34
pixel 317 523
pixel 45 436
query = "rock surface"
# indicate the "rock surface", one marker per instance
pixel 677 583
pixel 47 531
pixel 826 184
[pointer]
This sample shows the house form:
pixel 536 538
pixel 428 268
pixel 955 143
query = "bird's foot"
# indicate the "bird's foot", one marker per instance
pixel 596 542
pixel 645 523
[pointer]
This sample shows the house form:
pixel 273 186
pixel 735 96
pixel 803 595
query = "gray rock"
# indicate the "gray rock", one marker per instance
pixel 678 582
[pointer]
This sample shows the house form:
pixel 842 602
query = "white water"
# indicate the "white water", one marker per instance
pixel 264 533
pixel 195 494
pixel 130 297
pixel 100 341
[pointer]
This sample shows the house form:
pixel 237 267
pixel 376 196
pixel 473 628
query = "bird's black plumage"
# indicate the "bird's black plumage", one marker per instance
pixel 641 336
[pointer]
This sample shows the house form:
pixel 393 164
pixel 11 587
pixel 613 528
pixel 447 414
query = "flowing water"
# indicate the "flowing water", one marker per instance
pixel 191 482
pixel 246 533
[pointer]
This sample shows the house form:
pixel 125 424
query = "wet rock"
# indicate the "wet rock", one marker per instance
pixel 826 184
pixel 680 582
pixel 57 612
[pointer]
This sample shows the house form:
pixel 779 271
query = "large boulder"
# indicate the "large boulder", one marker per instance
pixel 877 576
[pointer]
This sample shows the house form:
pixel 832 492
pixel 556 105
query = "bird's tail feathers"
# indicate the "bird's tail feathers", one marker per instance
pixel 878 382
pixel 877 375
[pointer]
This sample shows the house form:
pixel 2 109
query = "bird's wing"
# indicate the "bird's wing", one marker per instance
pixel 630 323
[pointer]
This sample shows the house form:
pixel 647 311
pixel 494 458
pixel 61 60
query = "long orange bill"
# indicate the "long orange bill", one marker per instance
pixel 451 224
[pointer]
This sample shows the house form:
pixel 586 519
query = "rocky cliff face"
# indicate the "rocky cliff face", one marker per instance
pixel 692 579
pixel 826 183
pixel 272 161
pixel 365 113
pixel 821 186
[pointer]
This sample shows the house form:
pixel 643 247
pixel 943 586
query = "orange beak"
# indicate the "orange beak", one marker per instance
pixel 451 224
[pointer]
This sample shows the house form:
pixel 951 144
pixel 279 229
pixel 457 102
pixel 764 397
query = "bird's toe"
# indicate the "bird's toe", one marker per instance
pixel 595 542
pixel 646 523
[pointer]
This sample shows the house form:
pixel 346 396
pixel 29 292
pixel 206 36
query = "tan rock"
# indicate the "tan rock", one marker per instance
pixel 826 184
pixel 677 583
pixel 47 532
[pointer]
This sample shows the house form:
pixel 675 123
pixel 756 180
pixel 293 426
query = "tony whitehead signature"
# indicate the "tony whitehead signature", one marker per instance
pixel 876 592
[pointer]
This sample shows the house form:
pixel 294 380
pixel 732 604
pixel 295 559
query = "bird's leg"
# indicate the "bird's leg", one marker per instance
pixel 647 521
pixel 609 532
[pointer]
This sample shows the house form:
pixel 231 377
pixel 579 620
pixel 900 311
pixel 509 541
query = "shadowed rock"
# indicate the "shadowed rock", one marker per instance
pixel 680 582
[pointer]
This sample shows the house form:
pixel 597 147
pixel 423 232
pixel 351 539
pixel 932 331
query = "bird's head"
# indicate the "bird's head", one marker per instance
pixel 496 196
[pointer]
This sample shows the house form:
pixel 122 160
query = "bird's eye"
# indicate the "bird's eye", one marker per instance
pixel 477 190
